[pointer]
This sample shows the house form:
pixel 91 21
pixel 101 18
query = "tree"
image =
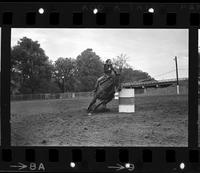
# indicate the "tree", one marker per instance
pixel 120 62
pixel 89 69
pixel 64 73
pixel 128 74
pixel 31 69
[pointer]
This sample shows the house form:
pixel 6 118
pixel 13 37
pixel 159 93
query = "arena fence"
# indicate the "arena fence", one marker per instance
pixel 66 95
pixel 171 90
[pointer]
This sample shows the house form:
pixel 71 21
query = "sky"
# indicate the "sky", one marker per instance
pixel 149 50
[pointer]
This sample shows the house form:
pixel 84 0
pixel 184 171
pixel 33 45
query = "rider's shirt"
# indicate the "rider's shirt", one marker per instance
pixel 108 69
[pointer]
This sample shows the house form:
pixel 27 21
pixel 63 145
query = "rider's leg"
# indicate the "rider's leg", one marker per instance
pixel 98 81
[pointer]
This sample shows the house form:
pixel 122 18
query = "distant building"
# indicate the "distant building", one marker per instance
pixel 161 87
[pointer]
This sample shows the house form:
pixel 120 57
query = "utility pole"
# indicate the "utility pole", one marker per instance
pixel 177 82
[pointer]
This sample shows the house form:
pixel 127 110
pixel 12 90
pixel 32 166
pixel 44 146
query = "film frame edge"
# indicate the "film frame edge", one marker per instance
pixel 83 164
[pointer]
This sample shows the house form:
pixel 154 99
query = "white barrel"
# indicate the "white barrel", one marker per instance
pixel 127 100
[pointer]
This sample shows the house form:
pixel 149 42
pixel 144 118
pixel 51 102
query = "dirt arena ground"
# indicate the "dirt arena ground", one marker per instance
pixel 158 121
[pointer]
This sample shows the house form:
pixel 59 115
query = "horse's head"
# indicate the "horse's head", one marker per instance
pixel 117 79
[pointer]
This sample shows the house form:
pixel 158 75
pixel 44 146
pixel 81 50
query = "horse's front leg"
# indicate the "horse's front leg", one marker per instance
pixel 95 108
pixel 91 104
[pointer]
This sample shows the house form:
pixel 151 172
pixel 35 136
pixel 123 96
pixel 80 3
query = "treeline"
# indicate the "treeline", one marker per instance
pixel 32 72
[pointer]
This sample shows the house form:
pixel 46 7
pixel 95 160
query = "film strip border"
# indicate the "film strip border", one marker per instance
pixel 99 15
pixel 101 159
pixel 75 15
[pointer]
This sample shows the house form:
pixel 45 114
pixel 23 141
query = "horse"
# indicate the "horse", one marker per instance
pixel 105 91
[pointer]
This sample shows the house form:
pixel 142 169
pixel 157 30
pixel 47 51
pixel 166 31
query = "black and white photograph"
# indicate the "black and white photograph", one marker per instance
pixel 99 87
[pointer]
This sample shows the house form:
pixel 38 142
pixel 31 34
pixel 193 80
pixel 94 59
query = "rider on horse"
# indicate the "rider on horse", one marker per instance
pixel 105 87
pixel 108 69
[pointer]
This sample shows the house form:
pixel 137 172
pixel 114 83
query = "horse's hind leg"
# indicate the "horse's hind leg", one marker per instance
pixel 105 102
pixel 108 100
pixel 104 105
